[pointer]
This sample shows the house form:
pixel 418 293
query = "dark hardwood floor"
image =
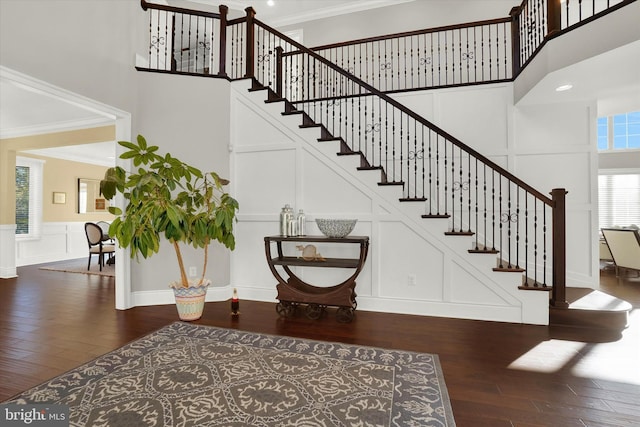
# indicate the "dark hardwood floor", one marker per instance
pixel 497 374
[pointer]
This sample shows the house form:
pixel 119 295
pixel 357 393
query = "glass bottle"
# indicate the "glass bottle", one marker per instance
pixel 300 219
pixel 235 303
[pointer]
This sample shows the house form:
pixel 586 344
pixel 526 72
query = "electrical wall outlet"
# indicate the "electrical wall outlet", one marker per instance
pixel 193 272
pixel 411 280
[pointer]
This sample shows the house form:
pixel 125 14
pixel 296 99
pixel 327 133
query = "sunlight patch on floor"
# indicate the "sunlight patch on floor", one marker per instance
pixel 611 361
pixel 548 356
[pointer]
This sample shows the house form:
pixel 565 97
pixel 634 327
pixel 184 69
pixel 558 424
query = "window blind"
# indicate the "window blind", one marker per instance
pixel 619 200
pixel 29 182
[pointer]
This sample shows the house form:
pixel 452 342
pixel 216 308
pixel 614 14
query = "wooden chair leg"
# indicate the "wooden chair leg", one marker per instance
pixel 89 263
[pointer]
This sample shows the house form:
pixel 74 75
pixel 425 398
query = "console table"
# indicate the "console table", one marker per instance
pixel 292 291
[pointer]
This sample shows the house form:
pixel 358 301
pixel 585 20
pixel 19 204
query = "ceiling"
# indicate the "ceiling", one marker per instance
pixel 25 110
pixel 29 110
pixel 285 12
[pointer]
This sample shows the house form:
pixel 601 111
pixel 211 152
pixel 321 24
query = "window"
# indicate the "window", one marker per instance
pixel 619 132
pixel 619 199
pixel 28 197
pixel 22 200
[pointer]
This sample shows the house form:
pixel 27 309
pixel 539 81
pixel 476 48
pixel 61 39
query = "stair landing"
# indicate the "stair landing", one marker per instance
pixel 590 308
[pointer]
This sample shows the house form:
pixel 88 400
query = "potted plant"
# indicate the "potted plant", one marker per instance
pixel 167 197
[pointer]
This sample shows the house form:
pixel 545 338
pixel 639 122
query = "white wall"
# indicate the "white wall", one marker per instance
pixel 274 163
pixel 415 15
pixel 555 147
pixel 86 47
pixel 188 117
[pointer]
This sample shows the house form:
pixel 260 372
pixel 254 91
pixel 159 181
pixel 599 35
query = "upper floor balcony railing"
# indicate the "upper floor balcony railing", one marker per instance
pixel 205 43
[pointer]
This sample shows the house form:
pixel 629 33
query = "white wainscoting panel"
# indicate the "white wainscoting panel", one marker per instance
pixel 58 241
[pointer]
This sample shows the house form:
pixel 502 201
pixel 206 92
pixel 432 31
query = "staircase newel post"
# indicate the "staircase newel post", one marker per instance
pixel 559 290
pixel 279 51
pixel 554 16
pixel 222 65
pixel 515 41
pixel 250 42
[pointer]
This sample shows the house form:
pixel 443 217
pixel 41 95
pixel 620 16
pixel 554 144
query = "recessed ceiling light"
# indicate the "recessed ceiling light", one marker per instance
pixel 562 88
pixel 270 2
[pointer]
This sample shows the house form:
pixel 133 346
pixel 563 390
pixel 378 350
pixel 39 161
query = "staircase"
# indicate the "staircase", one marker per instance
pixel 496 215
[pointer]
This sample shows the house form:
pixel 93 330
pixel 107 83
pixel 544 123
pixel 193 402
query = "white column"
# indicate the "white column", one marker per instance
pixel 8 251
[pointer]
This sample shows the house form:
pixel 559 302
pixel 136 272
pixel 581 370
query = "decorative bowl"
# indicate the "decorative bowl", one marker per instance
pixel 336 227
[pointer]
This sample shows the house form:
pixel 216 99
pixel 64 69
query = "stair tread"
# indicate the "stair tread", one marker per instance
pixel 509 269
pixel 459 233
pixel 483 251
pixel 591 309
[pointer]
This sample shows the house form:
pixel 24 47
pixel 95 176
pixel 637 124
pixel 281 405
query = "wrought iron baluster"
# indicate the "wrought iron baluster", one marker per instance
pixel 166 42
pixel 501 222
pixel 493 210
pixel 579 10
pixel 544 245
pixel 509 221
pixel 517 226
pixel 393 142
pixel 475 54
pixel 411 63
pixel 506 61
pixel 366 129
pixel 431 62
pixel 460 56
pixel 482 50
pixel 150 37
pixel 469 194
pixel 535 239
pixel 439 61
pixel 359 148
pixel 430 174
pixel 526 237
pixel 446 194
pixel 438 173
pixel 422 160
pixel 401 142
pixel 446 60
pixel 415 157
pixel 386 136
pixel 404 39
pixel 195 64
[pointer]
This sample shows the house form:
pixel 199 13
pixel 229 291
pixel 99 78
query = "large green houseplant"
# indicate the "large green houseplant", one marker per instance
pixel 167 197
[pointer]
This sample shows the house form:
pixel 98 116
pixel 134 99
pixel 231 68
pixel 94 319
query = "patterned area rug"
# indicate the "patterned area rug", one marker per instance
pixel 80 266
pixel 190 375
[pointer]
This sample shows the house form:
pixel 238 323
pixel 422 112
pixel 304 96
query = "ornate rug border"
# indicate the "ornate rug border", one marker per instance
pixel 449 420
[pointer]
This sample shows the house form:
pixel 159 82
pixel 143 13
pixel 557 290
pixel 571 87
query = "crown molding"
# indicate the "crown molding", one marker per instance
pixel 54 127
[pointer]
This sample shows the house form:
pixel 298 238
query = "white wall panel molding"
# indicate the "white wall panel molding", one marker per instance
pixel 58 241
pixel 410 258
